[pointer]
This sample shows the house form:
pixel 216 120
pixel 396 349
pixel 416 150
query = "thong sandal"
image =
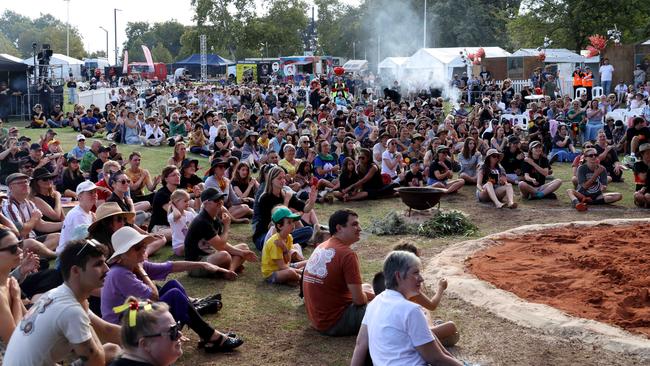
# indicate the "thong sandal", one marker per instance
pixel 221 345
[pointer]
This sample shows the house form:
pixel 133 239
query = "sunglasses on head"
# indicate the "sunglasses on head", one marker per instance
pixel 89 242
pixel 13 249
pixel 174 333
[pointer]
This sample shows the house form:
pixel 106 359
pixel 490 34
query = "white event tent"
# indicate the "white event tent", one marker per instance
pixel 67 65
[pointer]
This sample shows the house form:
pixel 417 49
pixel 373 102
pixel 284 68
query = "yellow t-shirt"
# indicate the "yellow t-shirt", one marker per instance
pixel 264 142
pixel 291 169
pixel 271 252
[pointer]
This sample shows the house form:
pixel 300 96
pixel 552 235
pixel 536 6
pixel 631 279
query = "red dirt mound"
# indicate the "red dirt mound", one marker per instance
pixel 600 273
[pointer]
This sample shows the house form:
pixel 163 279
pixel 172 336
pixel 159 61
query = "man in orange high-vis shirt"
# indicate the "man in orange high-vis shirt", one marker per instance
pixel 577 80
pixel 588 81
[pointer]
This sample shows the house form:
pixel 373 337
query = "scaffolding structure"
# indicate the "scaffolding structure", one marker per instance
pixel 204 57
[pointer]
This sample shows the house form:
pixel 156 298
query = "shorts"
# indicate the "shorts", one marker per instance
pixel 349 323
pixel 273 278
pixel 596 198
pixel 200 272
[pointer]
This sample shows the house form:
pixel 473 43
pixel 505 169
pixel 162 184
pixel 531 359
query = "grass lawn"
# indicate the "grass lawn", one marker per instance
pixel 272 319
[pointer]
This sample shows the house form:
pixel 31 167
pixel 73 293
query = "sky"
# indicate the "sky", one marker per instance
pixel 89 15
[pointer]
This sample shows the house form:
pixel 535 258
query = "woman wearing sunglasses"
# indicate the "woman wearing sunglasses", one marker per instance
pixel 131 275
pixel 11 307
pixel 153 338
pixel 44 195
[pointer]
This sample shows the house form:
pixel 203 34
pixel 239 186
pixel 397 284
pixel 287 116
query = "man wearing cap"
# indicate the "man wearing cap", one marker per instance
pixel 89 124
pixel 79 215
pixel 592 183
pixel 24 214
pixel 80 150
pixel 207 237
pixel 36 158
pixel 536 168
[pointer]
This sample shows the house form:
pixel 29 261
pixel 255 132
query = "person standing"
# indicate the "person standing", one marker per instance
pixel 588 81
pixel 606 73
pixel 577 80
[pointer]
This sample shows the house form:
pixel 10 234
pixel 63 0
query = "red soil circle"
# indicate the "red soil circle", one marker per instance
pixel 600 272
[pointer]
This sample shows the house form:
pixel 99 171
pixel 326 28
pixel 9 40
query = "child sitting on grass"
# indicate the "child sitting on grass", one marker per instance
pixel 180 217
pixel 279 251
pixel 446 332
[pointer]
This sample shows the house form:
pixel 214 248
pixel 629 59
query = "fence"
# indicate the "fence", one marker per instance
pixel 20 106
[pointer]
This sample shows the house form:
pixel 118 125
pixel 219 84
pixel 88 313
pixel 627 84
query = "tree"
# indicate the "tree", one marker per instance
pixel 21 31
pixel 569 23
pixel 6 46
pixel 223 22
pixel 97 54
pixel 166 34
pixel 161 54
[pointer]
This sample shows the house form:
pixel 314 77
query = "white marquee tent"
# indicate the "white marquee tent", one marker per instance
pixel 392 66
pixel 442 61
pixel 68 65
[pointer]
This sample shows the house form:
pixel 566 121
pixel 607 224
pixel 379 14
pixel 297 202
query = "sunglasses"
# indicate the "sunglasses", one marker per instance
pixel 174 333
pixel 13 249
pixel 124 181
pixel 590 155
pixel 89 242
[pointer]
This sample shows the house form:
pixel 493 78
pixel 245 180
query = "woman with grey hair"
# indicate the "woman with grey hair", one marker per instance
pixel 394 329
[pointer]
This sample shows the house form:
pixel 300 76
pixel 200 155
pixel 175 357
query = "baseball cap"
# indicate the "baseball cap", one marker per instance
pixel 644 147
pixel 85 186
pixel 81 137
pixel 35 146
pixel 283 212
pixel 212 194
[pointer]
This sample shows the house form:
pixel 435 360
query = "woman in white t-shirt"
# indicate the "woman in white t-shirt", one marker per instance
pixel 394 329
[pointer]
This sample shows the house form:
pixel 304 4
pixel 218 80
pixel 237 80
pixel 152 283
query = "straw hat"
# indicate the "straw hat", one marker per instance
pixel 109 209
pixel 125 238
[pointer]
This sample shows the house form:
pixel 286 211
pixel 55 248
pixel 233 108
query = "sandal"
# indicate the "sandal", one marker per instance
pixel 221 345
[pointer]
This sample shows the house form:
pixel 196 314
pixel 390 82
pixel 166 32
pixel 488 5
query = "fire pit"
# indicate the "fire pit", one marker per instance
pixel 420 198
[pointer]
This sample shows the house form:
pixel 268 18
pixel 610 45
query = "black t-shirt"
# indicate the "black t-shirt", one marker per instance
pixel 158 213
pixel 9 165
pixel 610 158
pixel 120 202
pixel 527 168
pixel 127 362
pixel 189 183
pixel 512 161
pixel 346 180
pixel 266 203
pixel 98 164
pixel 641 168
pixel 203 228
pixel 643 133
pixel 70 182
pixel 71 84
pixel 436 166
pixel 559 138
pixel 409 177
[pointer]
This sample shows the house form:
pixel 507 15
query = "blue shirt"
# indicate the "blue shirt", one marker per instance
pixel 88 121
pixel 78 152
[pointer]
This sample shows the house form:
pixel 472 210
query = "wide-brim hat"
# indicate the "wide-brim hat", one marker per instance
pixel 442 148
pixel 187 162
pixel 644 147
pixel 42 173
pixel 109 209
pixel 491 152
pixel 124 239
pixel 215 163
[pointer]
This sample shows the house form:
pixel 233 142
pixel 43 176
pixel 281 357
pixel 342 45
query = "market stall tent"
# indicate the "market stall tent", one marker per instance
pixel 355 66
pixel 392 66
pixel 62 66
pixel 217 65
pixel 441 62
pixel 562 60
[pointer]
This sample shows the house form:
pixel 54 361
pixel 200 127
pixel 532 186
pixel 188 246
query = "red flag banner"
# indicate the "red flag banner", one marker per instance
pixel 147 56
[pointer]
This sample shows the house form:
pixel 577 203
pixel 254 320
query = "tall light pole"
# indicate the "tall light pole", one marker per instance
pixel 115 10
pixel 67 29
pixel 105 30
pixel 424 35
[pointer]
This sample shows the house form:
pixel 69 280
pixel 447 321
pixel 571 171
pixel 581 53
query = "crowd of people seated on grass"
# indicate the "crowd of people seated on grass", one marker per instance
pixel 272 157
